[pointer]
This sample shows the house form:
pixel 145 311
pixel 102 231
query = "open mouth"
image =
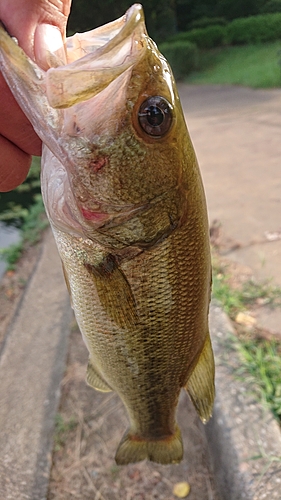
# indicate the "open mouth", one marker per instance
pixel 96 58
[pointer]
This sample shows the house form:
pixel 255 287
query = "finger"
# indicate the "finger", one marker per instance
pixel 14 125
pixel 14 165
pixel 18 141
pixel 22 17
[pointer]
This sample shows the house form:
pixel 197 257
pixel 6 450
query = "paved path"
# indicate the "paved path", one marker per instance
pixel 237 138
pixel 32 363
pixel 236 132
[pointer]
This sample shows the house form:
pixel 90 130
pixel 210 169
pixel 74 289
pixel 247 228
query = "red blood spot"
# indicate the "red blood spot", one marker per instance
pixel 97 164
pixel 94 216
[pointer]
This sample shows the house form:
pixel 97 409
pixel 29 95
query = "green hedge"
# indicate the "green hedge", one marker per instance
pixel 207 38
pixel 205 22
pixel 271 6
pixel 245 30
pixel 181 55
pixel 204 38
pixel 254 29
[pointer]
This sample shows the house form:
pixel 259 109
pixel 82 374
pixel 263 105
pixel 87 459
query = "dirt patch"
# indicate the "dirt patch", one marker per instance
pixel 90 426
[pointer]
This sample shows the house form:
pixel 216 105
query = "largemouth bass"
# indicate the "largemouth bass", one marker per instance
pixel 124 196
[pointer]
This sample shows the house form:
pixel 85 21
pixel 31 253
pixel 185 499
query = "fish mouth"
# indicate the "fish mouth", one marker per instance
pixel 96 58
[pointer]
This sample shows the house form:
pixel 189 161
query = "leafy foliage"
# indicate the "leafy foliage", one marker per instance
pixel 34 222
pixel 261 366
pixel 204 38
pixel 24 209
pixel 246 30
pixel 62 428
pixel 254 29
pixel 165 17
pixel 256 66
pixel 260 358
pixel 188 11
pixel 234 300
pixel 205 22
pixel 271 6
pixel 15 204
pixel 160 15
pixel 11 254
pixel 182 56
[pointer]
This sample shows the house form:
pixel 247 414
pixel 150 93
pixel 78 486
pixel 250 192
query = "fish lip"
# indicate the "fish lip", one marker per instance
pixel 104 60
pixel 124 26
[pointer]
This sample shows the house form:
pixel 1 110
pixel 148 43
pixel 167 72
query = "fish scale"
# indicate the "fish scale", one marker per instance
pixel 123 192
pixel 163 295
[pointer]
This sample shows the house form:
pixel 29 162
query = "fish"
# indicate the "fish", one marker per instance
pixel 125 199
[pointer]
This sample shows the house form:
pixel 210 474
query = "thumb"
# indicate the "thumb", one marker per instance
pixel 39 26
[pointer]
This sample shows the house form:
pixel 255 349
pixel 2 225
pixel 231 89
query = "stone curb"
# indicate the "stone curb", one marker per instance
pixel 244 438
pixel 31 368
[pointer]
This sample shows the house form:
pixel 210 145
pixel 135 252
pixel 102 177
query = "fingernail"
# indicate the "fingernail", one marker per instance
pixel 48 46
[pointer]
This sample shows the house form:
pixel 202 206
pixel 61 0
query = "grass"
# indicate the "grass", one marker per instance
pixel 257 66
pixel 14 205
pixel 250 294
pixel 62 429
pixel 261 366
pixel 23 208
pixel 34 222
pixel 260 359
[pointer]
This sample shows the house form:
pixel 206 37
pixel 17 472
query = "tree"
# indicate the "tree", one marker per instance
pixel 88 14
pixel 231 9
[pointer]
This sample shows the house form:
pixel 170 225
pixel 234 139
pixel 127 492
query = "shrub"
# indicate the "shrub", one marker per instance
pixel 205 22
pixel 271 6
pixel 213 36
pixel 182 56
pixel 254 29
pixel 204 38
pixel 245 30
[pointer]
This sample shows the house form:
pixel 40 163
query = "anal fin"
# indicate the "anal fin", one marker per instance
pixel 95 380
pixel 200 385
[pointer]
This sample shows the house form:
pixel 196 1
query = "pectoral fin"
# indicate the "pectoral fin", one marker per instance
pixel 95 380
pixel 114 292
pixel 200 385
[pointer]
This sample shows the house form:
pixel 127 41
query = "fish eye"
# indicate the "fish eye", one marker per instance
pixel 155 116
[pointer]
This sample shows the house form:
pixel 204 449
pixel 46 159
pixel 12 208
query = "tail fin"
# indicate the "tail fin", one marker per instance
pixel 163 451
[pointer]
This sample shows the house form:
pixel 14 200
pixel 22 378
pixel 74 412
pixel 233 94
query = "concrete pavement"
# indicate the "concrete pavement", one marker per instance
pixel 31 368
pixel 236 134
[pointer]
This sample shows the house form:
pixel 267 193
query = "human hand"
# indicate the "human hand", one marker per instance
pixel 37 25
